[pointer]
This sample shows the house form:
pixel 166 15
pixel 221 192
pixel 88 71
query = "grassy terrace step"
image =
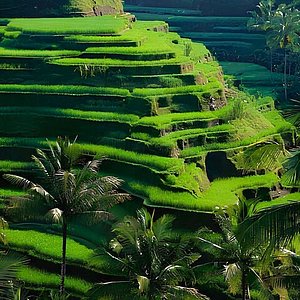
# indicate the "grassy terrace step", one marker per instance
pixel 146 92
pixel 252 74
pixel 209 199
pixel 293 197
pixel 97 91
pixel 162 53
pixel 118 62
pixel 149 48
pixel 190 133
pixel 170 139
pixel 7 193
pixel 63 26
pixel 130 56
pixel 105 39
pixel 40 279
pixel 36 244
pixel 154 162
pixel 208 36
pixel 70 113
pixel 167 121
pixel 163 10
pixel 62 89
pixel 36 53
pixel 8 165
pixel 164 121
pixel 279 126
pixel 105 132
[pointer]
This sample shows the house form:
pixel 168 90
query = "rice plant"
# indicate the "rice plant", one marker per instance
pixel 92 25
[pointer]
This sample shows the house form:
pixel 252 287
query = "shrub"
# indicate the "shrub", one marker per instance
pixel 170 82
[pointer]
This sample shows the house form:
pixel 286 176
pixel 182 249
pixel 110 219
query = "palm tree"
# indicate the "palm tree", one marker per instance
pixel 281 25
pixel 156 260
pixel 284 34
pixel 250 267
pixel 66 194
pixel 261 19
pixel 242 269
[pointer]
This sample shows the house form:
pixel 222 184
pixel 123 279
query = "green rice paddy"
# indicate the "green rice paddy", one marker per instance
pixel 150 102
pixel 92 25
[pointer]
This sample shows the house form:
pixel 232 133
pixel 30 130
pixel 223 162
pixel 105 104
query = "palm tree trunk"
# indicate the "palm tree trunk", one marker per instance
pixel 285 75
pixel 63 261
pixel 244 285
pixel 271 60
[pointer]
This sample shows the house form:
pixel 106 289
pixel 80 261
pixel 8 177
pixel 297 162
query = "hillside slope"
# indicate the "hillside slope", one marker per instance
pixel 38 8
pixel 154 104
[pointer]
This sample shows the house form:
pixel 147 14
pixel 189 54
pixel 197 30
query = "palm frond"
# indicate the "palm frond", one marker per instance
pixel 18 181
pixel 93 165
pixel 117 290
pixel 162 227
pixel 266 155
pixel 28 208
pixel 278 224
pixel 284 281
pixel 188 259
pixel 63 186
pixel 9 266
pixel 292 112
pixel 91 217
pixel 55 215
pixel 233 276
pixel 291 177
pixel 181 292
pixel 173 274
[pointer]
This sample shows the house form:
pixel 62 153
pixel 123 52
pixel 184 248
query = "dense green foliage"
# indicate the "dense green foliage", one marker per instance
pixel 153 104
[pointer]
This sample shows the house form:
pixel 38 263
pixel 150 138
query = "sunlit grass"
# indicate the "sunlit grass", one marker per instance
pixel 222 192
pixel 36 53
pixel 42 279
pixel 91 25
pixel 37 244
pixel 62 89
pixel 71 113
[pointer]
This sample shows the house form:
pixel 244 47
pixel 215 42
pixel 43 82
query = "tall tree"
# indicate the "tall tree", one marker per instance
pixel 242 267
pixel 66 194
pixel 157 261
pixel 281 25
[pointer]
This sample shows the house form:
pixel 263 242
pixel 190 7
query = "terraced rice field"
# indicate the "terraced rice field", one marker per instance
pixel 155 105
pixel 132 91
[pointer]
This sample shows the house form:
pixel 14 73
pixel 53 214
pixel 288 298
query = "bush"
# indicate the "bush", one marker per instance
pixel 170 82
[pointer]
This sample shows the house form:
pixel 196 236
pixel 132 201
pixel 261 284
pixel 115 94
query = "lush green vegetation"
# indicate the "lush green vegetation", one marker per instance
pixel 209 200
pixel 92 25
pixel 62 89
pixel 154 107
pixel 41 279
pixel 36 53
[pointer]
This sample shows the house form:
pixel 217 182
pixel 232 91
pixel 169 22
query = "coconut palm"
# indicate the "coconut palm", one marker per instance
pixel 284 34
pixel 66 194
pixel 274 228
pixel 156 261
pixel 281 26
pixel 261 19
pixel 242 269
pixel 249 267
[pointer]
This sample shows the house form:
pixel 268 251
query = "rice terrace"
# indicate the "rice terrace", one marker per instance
pixel 149 149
